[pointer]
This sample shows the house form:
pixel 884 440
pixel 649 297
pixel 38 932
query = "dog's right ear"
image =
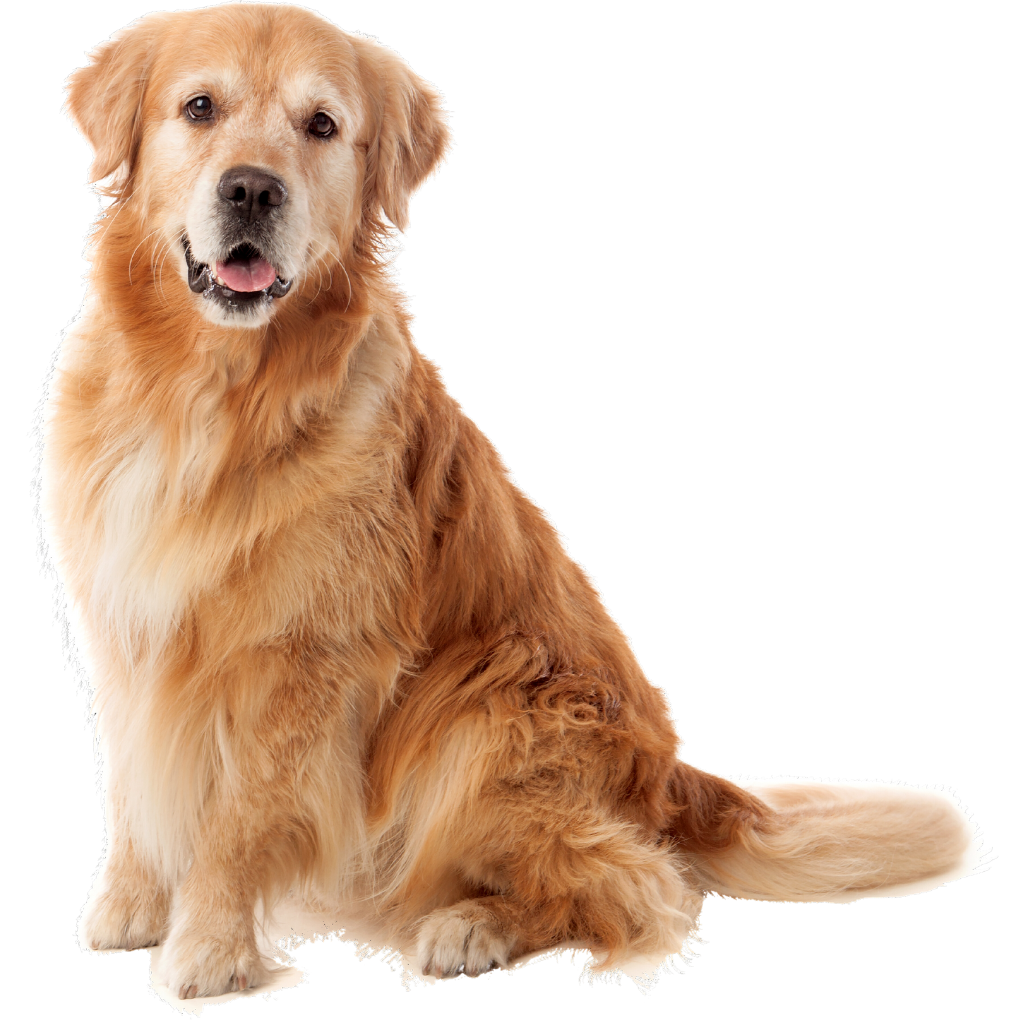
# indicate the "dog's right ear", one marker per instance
pixel 105 98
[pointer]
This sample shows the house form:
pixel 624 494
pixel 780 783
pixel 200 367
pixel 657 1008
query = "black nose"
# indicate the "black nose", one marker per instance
pixel 253 193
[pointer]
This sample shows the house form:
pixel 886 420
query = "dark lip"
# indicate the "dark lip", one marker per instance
pixel 200 280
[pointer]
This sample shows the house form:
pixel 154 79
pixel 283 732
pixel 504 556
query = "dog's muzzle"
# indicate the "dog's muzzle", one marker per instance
pixel 250 199
pixel 244 278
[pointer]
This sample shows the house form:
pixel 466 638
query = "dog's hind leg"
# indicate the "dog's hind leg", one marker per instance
pixel 591 880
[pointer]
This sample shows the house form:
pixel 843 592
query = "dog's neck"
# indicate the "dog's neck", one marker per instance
pixel 270 381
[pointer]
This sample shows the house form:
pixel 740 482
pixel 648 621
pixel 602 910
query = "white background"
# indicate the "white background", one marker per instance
pixel 735 288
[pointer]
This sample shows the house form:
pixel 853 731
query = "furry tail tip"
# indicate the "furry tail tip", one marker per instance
pixel 820 842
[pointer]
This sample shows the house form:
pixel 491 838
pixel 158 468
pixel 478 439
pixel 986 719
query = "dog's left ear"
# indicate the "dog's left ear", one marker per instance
pixel 406 133
pixel 105 98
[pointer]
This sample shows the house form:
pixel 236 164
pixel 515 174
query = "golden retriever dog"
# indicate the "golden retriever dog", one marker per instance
pixel 335 651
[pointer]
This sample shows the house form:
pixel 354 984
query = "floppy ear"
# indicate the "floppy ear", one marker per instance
pixel 105 99
pixel 407 135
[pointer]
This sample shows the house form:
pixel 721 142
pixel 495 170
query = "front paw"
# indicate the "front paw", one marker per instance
pixel 125 916
pixel 195 963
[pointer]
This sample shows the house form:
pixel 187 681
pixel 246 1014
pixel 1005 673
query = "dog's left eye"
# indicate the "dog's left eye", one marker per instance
pixel 322 126
pixel 200 108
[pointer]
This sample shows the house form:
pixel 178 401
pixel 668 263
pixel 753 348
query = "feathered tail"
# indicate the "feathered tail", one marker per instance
pixel 810 841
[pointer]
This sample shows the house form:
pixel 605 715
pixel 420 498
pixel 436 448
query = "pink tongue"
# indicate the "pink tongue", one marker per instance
pixel 246 275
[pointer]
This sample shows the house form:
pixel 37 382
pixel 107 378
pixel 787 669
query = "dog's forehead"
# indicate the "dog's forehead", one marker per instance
pixel 295 63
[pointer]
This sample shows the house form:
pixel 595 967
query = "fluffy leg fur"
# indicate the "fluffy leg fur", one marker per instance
pixel 259 827
pixel 596 883
pixel 129 908
pixel 211 948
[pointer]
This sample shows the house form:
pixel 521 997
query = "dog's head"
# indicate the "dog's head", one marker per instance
pixel 257 145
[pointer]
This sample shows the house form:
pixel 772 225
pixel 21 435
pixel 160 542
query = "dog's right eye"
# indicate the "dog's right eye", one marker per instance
pixel 200 108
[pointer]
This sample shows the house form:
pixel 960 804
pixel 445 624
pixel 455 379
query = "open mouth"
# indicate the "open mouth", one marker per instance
pixel 245 278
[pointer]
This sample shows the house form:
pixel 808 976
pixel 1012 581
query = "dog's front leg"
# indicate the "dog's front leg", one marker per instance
pixel 129 908
pixel 259 824
pixel 211 947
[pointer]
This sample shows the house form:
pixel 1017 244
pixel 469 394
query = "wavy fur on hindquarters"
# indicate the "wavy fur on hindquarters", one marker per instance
pixel 820 841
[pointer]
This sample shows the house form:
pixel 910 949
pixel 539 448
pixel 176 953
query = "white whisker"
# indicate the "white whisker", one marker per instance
pixel 160 273
pixel 135 250
pixel 321 258
pixel 117 213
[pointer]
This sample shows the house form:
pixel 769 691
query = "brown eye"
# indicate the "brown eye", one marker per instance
pixel 322 126
pixel 200 108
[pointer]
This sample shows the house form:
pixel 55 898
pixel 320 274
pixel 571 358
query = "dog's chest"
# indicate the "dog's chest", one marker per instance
pixel 173 535
pixel 157 514
pixel 149 554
